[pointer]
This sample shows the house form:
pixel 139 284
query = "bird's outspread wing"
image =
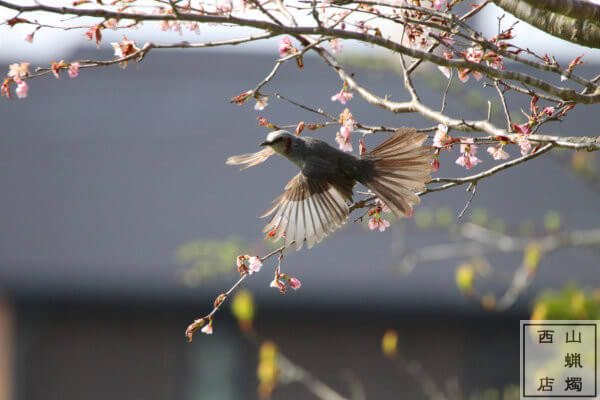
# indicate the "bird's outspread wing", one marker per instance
pixel 251 159
pixel 309 209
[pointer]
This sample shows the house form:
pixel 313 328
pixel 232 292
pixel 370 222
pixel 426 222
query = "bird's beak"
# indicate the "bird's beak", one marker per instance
pixel 263 144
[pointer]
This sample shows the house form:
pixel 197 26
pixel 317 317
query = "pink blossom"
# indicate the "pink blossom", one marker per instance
pixel 378 223
pixel 125 48
pixel 22 89
pixel 111 23
pixel 474 55
pixel 285 47
pixel 496 62
pixel 117 49
pixel 295 283
pixel 524 144
pixel 440 136
pixel 29 37
pixel 254 264
pixel 278 284
pixel 467 146
pixel 343 142
pixel 498 153
pixel 549 111
pixel 18 70
pixel 437 4
pixel 342 96
pixel 346 130
pixel 207 329
pixel 347 119
pixel 73 70
pixel 435 164
pixel 467 160
pixel 523 128
pixel 261 103
pixel 336 46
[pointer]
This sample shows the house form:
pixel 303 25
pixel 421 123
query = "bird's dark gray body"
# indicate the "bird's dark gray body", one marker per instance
pixel 318 160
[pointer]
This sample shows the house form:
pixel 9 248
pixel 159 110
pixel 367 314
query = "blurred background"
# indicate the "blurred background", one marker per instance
pixel 121 224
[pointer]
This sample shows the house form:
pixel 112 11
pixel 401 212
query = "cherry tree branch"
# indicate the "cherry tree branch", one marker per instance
pixel 563 93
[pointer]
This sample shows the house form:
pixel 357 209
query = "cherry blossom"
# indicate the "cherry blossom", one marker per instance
pixel 285 47
pixel 498 153
pixel 261 103
pixel 523 128
pixel 342 96
pixel 524 144
pixel 248 264
pixel 345 133
pixel 343 142
pixel 22 89
pixel 468 159
pixel 18 70
pixel 548 111
pixel 378 223
pixel 254 264
pixel 124 49
pixel 73 70
pixel 278 284
pixel 440 136
pixel 295 283
pixel 437 4
pixel 56 67
pixel 473 55
pixel 494 61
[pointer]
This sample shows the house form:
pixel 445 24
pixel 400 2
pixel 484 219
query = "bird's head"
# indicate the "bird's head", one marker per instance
pixel 280 141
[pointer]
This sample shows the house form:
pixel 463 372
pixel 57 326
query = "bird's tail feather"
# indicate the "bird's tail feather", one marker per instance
pixel 401 167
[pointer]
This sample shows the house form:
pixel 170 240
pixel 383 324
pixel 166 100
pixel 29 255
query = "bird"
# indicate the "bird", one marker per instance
pixel 315 201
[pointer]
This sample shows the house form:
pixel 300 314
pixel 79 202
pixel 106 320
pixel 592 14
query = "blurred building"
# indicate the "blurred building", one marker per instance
pixel 106 175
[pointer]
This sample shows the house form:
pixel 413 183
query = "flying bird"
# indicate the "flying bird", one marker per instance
pixel 314 203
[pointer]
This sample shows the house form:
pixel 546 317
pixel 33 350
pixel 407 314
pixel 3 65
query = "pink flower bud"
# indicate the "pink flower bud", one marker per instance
pixel 295 283
pixel 22 89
